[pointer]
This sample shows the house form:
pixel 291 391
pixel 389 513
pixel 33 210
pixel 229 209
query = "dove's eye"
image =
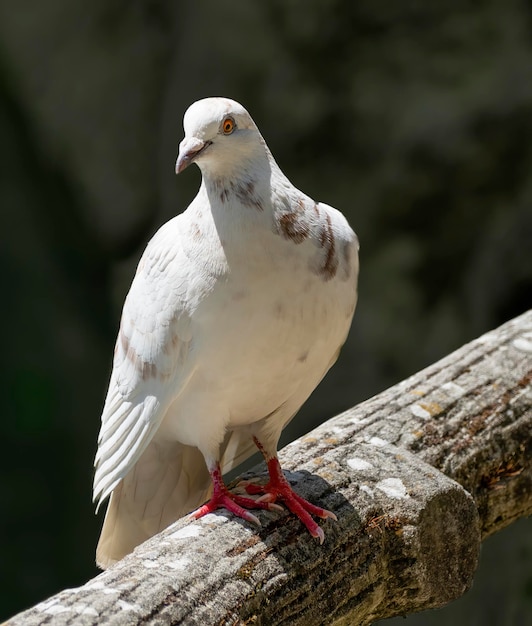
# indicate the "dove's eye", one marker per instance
pixel 228 125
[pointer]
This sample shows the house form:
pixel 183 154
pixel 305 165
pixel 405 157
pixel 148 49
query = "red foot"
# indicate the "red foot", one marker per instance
pixel 223 498
pixel 279 488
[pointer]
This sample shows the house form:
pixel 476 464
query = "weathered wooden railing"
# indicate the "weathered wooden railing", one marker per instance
pixel 418 476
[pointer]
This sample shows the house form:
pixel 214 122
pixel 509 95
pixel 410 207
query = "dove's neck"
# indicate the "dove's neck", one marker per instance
pixel 243 185
pixel 241 205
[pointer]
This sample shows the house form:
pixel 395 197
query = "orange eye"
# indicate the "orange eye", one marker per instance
pixel 228 125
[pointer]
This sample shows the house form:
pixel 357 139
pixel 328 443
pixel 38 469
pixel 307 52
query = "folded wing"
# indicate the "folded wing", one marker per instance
pixel 151 363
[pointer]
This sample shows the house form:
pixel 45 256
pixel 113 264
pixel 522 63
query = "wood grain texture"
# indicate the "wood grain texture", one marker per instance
pixel 417 476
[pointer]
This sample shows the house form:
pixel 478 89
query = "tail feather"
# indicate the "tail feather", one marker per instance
pixel 167 482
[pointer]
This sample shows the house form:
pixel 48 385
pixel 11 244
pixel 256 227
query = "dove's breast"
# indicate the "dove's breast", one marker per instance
pixel 271 327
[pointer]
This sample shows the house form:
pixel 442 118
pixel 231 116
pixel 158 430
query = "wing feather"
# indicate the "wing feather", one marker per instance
pixel 151 363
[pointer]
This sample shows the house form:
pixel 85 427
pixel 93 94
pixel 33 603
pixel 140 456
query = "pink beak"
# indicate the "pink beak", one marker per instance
pixel 189 150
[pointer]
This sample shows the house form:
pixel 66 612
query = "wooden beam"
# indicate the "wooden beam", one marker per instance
pixel 417 476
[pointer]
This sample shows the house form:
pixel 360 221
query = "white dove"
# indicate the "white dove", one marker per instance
pixel 238 308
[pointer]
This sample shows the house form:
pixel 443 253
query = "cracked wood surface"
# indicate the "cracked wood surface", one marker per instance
pixel 417 476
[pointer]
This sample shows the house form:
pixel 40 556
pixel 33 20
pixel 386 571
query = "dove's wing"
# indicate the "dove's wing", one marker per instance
pixel 151 363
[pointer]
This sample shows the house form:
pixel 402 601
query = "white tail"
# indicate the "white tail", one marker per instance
pixel 167 482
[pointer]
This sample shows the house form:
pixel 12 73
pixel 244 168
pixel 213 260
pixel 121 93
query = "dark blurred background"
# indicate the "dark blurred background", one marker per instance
pixel 412 117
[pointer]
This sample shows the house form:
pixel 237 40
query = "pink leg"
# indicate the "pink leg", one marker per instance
pixel 279 488
pixel 223 498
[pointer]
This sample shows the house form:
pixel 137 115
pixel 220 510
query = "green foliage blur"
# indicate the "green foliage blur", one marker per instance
pixel 413 118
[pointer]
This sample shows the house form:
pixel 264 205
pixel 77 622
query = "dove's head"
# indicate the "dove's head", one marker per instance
pixel 219 135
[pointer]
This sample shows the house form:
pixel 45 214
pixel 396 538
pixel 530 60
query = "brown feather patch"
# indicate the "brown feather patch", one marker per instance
pixel 291 227
pixel 146 369
pixel 244 192
pixel 292 224
pixel 327 269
